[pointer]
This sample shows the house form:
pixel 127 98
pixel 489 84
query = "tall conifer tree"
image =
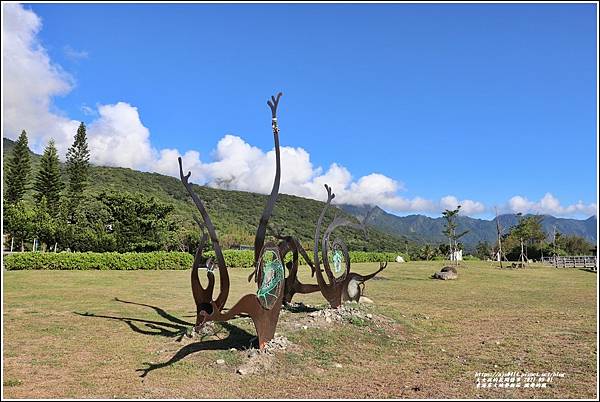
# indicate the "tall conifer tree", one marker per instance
pixel 78 157
pixel 17 171
pixel 48 182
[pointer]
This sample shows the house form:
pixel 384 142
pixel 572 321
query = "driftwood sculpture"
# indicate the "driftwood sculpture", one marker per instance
pixel 264 306
pixel 292 283
pixel 273 287
pixel 341 284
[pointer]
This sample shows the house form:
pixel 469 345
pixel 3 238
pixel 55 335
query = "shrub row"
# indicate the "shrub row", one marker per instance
pixel 245 258
pixel 153 260
pixel 84 261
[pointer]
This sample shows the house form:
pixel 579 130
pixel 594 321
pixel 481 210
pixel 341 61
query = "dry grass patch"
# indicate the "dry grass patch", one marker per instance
pixel 123 334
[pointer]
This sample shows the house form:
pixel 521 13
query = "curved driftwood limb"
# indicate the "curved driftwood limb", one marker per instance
pixel 264 306
pixel 292 283
pixel 355 284
pixel 292 244
pixel 337 290
pixel 330 197
pixel 223 274
pixel 202 296
pixel 331 292
pixel 259 239
pixel 336 223
pixel 264 319
pixel 273 103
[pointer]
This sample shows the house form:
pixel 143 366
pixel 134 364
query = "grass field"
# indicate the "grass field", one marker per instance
pixel 92 333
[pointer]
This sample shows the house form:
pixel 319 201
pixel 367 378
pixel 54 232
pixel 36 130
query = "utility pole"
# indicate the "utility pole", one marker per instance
pixel 499 231
pixel 522 258
pixel 554 245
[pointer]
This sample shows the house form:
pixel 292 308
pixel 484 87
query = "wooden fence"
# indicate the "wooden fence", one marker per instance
pixel 573 261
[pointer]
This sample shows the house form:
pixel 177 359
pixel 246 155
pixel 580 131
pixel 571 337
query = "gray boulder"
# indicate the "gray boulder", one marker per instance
pixel 445 275
pixel 449 269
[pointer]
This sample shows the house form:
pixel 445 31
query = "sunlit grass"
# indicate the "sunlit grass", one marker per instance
pixel 71 334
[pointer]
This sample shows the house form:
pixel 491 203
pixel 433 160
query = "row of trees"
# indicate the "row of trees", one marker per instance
pixel 51 202
pixel 526 240
pixel 48 183
pixel 102 222
pixel 63 216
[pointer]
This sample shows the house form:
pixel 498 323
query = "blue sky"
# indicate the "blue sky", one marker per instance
pixel 479 103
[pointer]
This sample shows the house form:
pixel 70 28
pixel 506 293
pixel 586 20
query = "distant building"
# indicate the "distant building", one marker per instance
pixel 457 256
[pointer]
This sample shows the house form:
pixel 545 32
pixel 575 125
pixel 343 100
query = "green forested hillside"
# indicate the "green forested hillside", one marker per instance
pixel 234 213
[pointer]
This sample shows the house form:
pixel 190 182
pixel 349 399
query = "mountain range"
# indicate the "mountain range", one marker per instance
pixel 423 229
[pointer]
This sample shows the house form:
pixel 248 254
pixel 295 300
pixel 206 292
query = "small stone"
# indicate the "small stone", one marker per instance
pixel 497 342
pixel 233 350
pixel 314 314
pixel 243 371
pixel 364 299
pixel 443 350
pixel 337 365
pixel 220 361
pixel 369 316
pixel 304 327
pixel 328 319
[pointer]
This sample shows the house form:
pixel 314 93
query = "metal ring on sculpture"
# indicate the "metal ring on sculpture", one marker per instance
pixel 272 276
pixel 339 260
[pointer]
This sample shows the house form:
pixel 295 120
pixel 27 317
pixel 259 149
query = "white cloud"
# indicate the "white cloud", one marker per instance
pixel 550 205
pixel 30 82
pixel 468 207
pixel 117 137
pixel 239 165
pixel 88 111
pixel 74 55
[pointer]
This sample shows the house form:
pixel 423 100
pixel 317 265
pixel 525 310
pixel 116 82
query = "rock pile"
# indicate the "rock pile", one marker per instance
pixel 445 274
pixel 191 334
pixel 277 343
pixel 346 312
pixel 261 360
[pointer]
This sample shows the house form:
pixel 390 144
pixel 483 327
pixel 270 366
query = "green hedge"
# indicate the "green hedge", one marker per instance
pixel 84 261
pixel 154 260
pixel 245 258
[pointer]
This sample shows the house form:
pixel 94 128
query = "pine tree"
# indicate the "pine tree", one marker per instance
pixel 77 164
pixel 18 169
pixel 48 182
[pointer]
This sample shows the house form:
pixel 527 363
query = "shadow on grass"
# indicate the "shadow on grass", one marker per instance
pixel 588 270
pixel 299 308
pixel 237 337
pixel 176 327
